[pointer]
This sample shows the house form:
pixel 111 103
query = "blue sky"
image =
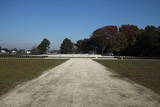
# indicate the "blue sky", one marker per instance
pixel 24 23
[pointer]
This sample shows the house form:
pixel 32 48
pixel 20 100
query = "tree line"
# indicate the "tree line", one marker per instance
pixel 42 48
pixel 125 40
pixel 128 40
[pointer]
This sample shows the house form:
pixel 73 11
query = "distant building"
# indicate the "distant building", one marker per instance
pixel 4 51
pixel 28 52
pixel 13 51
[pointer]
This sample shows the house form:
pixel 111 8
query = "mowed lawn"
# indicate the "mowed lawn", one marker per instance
pixel 145 72
pixel 15 71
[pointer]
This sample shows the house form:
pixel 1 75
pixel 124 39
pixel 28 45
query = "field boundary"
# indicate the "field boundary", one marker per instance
pixel 61 56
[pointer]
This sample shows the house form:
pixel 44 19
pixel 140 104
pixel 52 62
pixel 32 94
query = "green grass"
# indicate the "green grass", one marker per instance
pixel 15 71
pixel 145 72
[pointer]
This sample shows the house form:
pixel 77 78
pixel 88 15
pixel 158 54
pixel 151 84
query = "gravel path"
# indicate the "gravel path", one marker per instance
pixel 79 83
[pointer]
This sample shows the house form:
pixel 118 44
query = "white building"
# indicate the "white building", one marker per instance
pixel 3 51
pixel 28 52
pixel 14 52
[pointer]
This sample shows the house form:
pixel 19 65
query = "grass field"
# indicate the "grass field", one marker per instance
pixel 145 72
pixel 15 71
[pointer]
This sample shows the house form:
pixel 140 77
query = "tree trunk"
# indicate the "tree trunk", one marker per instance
pixel 103 50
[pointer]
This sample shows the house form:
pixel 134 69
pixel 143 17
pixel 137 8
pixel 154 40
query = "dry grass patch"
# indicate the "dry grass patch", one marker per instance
pixel 145 72
pixel 15 71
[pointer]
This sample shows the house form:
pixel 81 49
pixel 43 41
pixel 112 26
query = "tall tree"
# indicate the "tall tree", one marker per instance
pixel 138 46
pixel 66 46
pixel 83 46
pixel 119 43
pixel 103 36
pixel 44 46
pixel 130 33
pixel 152 41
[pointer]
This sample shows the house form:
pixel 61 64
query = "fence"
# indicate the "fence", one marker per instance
pixel 75 56
pixel 20 56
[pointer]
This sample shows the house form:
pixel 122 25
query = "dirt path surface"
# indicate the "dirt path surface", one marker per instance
pixel 79 83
